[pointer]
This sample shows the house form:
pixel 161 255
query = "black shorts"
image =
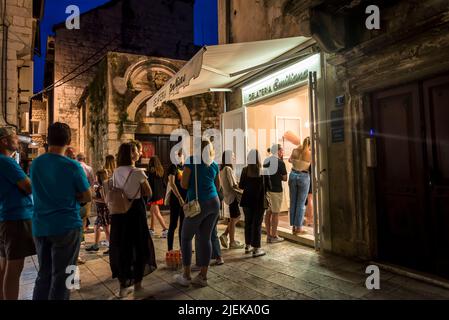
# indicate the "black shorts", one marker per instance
pixel 234 209
pixel 16 240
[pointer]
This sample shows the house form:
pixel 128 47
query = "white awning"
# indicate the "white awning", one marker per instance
pixel 216 68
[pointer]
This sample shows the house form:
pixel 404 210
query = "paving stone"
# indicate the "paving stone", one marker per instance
pixel 288 272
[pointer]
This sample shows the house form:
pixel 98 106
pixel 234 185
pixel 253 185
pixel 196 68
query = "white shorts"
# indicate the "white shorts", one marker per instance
pixel 275 201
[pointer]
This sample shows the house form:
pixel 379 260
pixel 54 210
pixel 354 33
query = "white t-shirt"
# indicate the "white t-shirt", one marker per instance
pixel 132 187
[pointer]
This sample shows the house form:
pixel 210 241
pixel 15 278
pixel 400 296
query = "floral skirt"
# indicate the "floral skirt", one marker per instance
pixel 103 217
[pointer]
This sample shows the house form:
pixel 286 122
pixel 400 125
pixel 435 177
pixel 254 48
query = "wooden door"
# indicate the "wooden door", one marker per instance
pixel 403 231
pixel 436 106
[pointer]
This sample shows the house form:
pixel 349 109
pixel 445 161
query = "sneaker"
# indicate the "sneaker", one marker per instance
pixel 93 247
pixel 164 234
pixel 104 243
pixel 236 245
pixel 248 249
pixel 124 292
pixel 269 239
pixel 179 278
pixel 277 239
pixel 199 281
pixel 152 233
pixel 224 240
pixel 219 261
pixel 258 252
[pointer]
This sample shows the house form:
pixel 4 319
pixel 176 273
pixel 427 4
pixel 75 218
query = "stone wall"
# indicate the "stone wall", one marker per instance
pixel 116 103
pixel 159 27
pixel 39 114
pixel 19 19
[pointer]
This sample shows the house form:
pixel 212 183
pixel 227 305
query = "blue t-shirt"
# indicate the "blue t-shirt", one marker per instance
pixel 56 181
pixel 14 203
pixel 206 180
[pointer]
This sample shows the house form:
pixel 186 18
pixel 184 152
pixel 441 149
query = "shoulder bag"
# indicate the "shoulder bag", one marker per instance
pixel 192 208
pixel 116 199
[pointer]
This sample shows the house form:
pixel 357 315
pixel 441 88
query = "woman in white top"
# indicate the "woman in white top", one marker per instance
pixel 231 195
pixel 131 249
pixel 299 184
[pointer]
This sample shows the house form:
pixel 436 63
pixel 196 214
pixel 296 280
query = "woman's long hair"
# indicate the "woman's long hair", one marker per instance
pixel 226 160
pixel 124 156
pixel 254 163
pixel 102 176
pixel 155 166
pixel 109 164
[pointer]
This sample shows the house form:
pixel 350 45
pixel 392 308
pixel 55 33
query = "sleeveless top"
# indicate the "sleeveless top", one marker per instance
pixel 300 164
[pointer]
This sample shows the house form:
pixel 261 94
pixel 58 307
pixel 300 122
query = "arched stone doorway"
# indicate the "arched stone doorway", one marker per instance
pixel 141 81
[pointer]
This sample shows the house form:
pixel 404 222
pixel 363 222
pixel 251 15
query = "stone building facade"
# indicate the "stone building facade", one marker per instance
pixel 393 210
pixel 113 107
pixel 150 27
pixel 19 27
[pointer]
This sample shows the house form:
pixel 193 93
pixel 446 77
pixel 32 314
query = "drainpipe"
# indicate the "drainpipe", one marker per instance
pixel 4 73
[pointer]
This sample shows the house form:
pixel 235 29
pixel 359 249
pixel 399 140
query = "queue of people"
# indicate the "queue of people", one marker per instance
pixel 46 210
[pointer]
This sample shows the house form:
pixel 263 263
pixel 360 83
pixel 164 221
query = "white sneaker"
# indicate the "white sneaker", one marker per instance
pixel 258 252
pixel 164 234
pixel 199 281
pixel 152 233
pixel 179 278
pixel 124 292
pixel 277 239
pixel 248 249
pixel 236 245
pixel 104 243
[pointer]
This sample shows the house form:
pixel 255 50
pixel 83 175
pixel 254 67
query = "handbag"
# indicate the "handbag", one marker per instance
pixel 116 199
pixel 192 208
pixel 266 198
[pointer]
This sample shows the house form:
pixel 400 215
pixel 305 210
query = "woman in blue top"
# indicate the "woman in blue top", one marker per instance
pixel 203 224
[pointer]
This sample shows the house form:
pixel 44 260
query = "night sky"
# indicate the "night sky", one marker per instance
pixel 206 26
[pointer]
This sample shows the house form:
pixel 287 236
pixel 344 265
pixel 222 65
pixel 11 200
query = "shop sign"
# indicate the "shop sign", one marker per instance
pixel 281 81
pixel 337 126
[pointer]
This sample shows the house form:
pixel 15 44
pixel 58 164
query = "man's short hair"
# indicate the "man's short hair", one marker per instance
pixel 275 148
pixel 80 157
pixel 59 134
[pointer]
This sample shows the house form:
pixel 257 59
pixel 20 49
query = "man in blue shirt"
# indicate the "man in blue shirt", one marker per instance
pixel 59 186
pixel 16 210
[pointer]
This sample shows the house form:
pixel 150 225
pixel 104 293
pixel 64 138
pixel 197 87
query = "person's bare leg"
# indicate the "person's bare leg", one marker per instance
pixel 268 224
pixel 2 276
pixel 309 210
pixel 11 280
pixel 274 224
pixel 107 232
pixel 159 217
pixel 97 231
pixel 152 218
pixel 203 272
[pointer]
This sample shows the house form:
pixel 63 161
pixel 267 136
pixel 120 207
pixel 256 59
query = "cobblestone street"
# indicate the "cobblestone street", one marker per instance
pixel 288 271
